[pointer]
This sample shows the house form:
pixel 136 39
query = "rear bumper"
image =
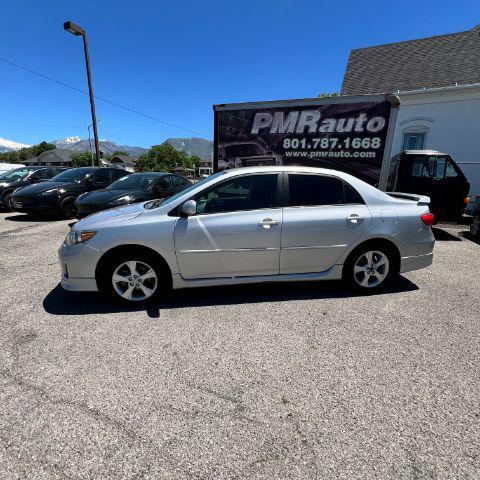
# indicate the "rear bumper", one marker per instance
pixel 416 262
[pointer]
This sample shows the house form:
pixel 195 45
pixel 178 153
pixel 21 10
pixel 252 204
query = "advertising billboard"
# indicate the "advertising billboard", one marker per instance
pixel 329 133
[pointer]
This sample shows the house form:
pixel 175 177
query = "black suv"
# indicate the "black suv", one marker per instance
pixel 57 196
pixel 19 177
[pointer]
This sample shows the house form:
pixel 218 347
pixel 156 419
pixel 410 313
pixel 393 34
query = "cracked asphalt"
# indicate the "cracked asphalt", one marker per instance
pixel 260 382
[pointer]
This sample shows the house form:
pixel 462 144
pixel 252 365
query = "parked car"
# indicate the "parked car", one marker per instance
pixel 257 224
pixel 19 177
pixel 137 187
pixel 434 174
pixel 57 196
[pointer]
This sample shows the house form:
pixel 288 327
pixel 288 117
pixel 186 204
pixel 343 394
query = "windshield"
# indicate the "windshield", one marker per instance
pixel 166 201
pixel 16 174
pixel 138 181
pixel 73 175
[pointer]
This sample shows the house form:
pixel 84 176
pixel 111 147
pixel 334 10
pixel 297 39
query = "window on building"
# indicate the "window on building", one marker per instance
pixel 413 141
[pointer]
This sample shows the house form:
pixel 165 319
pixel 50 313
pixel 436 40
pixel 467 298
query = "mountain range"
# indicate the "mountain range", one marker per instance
pixel 191 146
pixel 9 145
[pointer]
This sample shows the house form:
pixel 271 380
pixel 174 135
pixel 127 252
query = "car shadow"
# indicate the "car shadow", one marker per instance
pixel 444 236
pixel 23 217
pixel 62 302
pixel 468 236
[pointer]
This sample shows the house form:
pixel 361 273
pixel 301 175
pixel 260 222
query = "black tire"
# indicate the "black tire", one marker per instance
pixel 7 198
pixel 475 226
pixel 376 275
pixel 67 207
pixel 161 286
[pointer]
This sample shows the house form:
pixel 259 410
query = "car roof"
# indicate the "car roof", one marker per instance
pixel 284 168
pixel 424 152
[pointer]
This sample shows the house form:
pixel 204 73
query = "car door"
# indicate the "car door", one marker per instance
pixel 323 216
pixel 236 231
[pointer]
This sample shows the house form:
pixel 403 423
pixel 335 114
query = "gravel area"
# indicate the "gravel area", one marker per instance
pixel 294 381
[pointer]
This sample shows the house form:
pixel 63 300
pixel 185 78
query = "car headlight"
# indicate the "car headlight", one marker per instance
pixel 124 199
pixel 76 236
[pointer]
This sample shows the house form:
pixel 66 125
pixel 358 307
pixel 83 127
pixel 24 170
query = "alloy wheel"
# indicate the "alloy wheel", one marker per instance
pixel 371 269
pixel 134 280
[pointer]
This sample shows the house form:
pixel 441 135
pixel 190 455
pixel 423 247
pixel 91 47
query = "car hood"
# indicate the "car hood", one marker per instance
pixel 10 184
pixel 106 196
pixel 112 215
pixel 37 188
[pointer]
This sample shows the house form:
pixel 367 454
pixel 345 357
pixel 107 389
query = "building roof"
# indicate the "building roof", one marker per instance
pixel 126 159
pixel 56 155
pixel 438 61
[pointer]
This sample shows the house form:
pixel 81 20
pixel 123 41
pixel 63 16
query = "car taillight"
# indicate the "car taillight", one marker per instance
pixel 466 200
pixel 428 219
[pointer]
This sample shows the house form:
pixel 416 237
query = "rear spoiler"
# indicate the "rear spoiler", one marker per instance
pixel 420 199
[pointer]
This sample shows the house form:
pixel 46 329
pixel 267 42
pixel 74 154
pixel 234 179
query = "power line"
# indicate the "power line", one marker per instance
pixel 115 104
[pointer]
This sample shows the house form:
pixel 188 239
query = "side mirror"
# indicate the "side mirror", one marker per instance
pixel 188 209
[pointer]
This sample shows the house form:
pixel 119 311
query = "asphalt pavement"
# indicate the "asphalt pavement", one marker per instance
pixel 291 381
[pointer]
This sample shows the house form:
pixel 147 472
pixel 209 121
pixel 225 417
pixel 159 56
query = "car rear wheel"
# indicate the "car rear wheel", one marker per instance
pixel 369 269
pixel 135 278
pixel 475 226
pixel 67 207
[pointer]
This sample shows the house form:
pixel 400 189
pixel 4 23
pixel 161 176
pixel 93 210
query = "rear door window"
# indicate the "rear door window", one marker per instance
pixel 310 190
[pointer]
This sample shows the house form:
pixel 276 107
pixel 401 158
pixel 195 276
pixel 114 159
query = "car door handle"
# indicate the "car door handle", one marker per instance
pixel 268 222
pixel 354 218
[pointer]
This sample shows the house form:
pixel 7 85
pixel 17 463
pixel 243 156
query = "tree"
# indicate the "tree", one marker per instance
pixel 83 159
pixel 20 156
pixel 163 157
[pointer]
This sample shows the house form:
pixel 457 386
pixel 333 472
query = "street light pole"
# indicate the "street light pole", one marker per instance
pixel 79 31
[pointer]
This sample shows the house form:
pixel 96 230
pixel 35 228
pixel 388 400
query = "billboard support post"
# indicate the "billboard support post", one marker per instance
pixel 387 155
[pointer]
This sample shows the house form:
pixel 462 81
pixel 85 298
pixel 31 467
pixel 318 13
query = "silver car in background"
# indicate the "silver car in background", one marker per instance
pixel 256 224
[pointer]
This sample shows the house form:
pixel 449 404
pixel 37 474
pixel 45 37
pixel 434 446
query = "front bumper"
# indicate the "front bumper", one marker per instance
pixel 46 205
pixel 78 263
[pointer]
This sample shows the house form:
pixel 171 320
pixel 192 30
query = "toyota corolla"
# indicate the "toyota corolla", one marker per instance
pixel 257 224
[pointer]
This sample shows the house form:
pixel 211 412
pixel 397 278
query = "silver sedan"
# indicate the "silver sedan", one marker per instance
pixel 258 224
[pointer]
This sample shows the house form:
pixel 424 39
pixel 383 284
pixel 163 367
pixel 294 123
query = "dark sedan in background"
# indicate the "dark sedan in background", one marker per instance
pixel 56 197
pixel 22 176
pixel 137 187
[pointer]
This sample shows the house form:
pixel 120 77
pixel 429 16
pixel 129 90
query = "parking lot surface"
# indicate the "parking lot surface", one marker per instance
pixel 294 381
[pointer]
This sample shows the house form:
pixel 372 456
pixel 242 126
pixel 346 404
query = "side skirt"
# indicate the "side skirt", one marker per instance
pixel 333 273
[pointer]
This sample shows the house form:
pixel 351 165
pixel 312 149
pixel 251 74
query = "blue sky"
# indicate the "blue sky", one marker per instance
pixel 173 60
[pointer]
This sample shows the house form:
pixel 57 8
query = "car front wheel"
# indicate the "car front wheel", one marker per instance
pixel 370 269
pixel 135 278
pixel 7 202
